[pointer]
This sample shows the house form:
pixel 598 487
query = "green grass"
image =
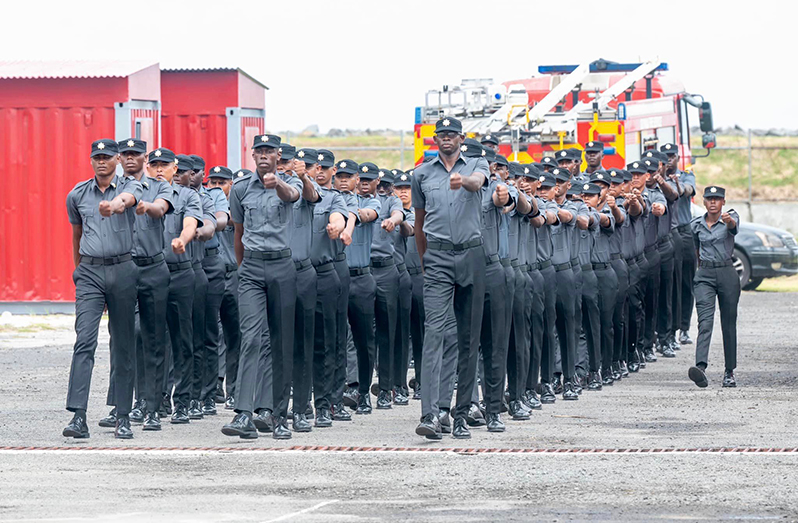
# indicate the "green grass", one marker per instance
pixel 789 284
pixel 32 328
pixel 775 172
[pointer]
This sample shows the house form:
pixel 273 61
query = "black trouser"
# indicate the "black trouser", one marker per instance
pixel 638 272
pixel 179 307
pixel 678 261
pixel 231 328
pixel 200 355
pixel 607 300
pixel 542 369
pixel 341 332
pixel 95 287
pixel 722 283
pixel 304 336
pixel 386 308
pixel 665 302
pixel 328 289
pixel 266 285
pixel 566 320
pixel 580 342
pixel 362 295
pixel 215 271
pixel 417 317
pixel 492 335
pixel 452 279
pixel 401 345
pixel 152 290
pixel 651 297
pixel 688 274
pixel 518 350
pixel 591 320
pixel 620 315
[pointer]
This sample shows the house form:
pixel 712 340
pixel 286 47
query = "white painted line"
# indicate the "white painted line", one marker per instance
pixel 317 506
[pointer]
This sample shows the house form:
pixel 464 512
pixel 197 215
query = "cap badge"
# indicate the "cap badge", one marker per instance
pixel 217 169
pixel 382 174
pixel 158 153
pixel 541 178
pixel 320 157
pixel 301 154
pixel 713 189
pixel 636 165
pixel 365 169
pixel 446 122
pixel 612 173
pixel 563 153
pixel 240 174
pixel 526 170
pixel 668 146
pixel 586 187
pixel 101 145
pixel 342 165
pixel 264 138
pixel 487 137
pixel 403 177
pixel 463 148
pixel 649 154
pixel 131 143
pixel 600 176
pixel 484 153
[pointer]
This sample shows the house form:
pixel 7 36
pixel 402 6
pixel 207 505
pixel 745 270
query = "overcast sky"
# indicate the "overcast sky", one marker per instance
pixel 367 64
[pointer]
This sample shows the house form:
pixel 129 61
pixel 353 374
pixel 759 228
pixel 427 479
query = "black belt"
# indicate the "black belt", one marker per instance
pixel 640 258
pixel 457 247
pixel 383 262
pixel 601 265
pixel 152 260
pixel 325 267
pixel 230 267
pixel 174 267
pixel 574 262
pixel 401 267
pixel 562 267
pixel 682 228
pixel 544 264
pixel 113 260
pixel 515 263
pixel 587 267
pixel 525 267
pixel 213 251
pixel 304 264
pixel 197 265
pixel 650 248
pixel 413 270
pixel 359 271
pixel 340 257
pixel 664 241
pixel 616 256
pixel 505 262
pixel 714 264
pixel 493 258
pixel 268 255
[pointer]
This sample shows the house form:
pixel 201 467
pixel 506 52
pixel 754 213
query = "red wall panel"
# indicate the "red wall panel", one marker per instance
pixel 251 126
pixel 43 154
pixel 198 92
pixel 202 135
pixel 145 114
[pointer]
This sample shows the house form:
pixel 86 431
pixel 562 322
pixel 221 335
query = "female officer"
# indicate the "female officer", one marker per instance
pixel 716 277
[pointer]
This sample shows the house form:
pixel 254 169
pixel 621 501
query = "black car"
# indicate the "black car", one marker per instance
pixel 763 252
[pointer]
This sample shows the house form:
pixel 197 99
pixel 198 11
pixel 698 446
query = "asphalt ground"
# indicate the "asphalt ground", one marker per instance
pixel 681 458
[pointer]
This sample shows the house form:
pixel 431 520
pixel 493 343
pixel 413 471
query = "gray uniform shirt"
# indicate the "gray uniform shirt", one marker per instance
pixel 561 236
pixel 186 204
pixel 491 216
pixel 412 259
pixel 639 226
pixel 359 253
pixel 302 233
pixel 322 248
pixel 220 204
pixel 715 244
pixel 576 234
pixel 620 237
pixel 600 252
pixel 400 242
pixel 684 216
pixel 654 195
pixel 453 216
pixel 208 215
pixel 382 240
pixel 545 244
pixel 103 237
pixel 266 218
pixel 586 238
pixel 350 202
pixel 148 238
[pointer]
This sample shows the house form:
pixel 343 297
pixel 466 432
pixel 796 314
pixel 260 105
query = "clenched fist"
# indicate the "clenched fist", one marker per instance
pixel 727 219
pixel 502 193
pixel 455 181
pixel 178 247
pixel 270 181
pixel 333 232
pixel 346 238
pixel 141 208
pixel 611 201
pixel 388 225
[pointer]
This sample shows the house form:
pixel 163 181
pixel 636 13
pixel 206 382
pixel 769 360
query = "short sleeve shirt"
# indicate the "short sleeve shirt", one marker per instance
pixel 148 238
pixel 187 204
pixel 322 248
pixel 715 244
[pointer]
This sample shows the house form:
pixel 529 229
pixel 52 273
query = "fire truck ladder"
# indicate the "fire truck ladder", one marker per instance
pixel 619 87
pixel 538 113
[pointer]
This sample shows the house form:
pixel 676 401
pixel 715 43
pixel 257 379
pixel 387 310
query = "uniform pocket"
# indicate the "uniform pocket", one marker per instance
pixel 320 220
pixel 174 223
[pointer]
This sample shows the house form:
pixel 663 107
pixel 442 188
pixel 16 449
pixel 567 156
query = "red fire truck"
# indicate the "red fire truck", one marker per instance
pixel 630 108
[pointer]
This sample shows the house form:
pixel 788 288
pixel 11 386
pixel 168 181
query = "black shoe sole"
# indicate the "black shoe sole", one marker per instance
pixel 497 430
pixel 127 436
pixel 339 418
pixel 264 429
pixel 214 413
pixel 151 428
pixel 107 425
pixel 698 377
pixel 461 436
pixel 180 422
pixel 384 407
pixel 76 435
pixel 322 425
pixel 241 434
pixel 349 402
pixel 520 418
pixel 570 398
pixel 548 401
pixel 729 386
pixel 284 436
pixel 428 433
pixel 306 429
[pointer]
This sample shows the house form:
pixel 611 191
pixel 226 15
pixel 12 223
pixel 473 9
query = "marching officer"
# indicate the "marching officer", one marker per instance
pixel 260 206
pixel 447 199
pixel 101 211
pixel 716 277
pixel 230 340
